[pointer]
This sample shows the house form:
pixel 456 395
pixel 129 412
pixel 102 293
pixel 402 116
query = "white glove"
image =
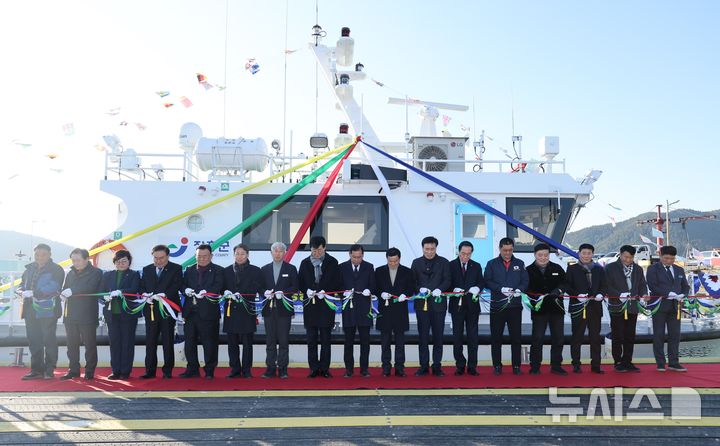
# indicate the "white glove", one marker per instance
pixel 366 292
pixel 189 292
pixel 310 293
pixel 424 290
pixel 202 293
pixel 402 298
pixel 624 296
pixel 436 292
pixel 517 292
pixel 67 292
pixel 225 294
pixel 385 295
pixel 474 290
pixel 348 293
pixel 116 293
pixel 27 293
pixel 108 298
pixel 279 295
pixel 582 297
pixel 671 295
pixel 679 297
pixel 148 297
pixel 321 294
pixel 507 291
pixel 268 293
pixel 458 290
pixel 598 297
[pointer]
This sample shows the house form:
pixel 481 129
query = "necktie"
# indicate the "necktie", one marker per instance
pixel 158 271
pixel 464 268
pixel 356 270
pixel 669 273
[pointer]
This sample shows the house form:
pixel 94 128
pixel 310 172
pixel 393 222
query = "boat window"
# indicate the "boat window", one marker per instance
pixel 473 226
pixel 541 214
pixel 343 221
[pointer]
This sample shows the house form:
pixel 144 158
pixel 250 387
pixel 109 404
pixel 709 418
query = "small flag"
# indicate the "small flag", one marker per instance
pixel 140 126
pixel 168 104
pixel 252 66
pixel 646 240
pixel 379 84
pixel 446 120
pixel 113 111
pixel 658 234
pixel 186 102
pixel 612 221
pixel 162 94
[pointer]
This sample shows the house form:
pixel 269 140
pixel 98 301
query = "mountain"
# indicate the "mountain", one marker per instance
pixel 12 242
pixel 701 234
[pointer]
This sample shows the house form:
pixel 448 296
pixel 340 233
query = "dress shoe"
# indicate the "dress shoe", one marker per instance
pixel 168 375
pixel 676 368
pixel 187 374
pixel 534 370
pixel 326 374
pixel 348 374
pixel 497 370
pixel 597 370
pixel 147 376
pixel 89 376
pixel 386 372
pixel 124 376
pixel 558 371
pixel 630 367
pixel 517 371
pixel 247 375
pixel 421 372
pixel 577 368
pixel 399 373
pixel 661 368
pixel 620 368
pixel 209 376
pixel 114 377
pixel 283 374
pixel 438 372
pixel 472 372
pixel 69 375
pixel 364 373
pixel 32 375
pixel 269 373
pixel 314 374
pixel 49 374
pixel 459 371
pixel 234 375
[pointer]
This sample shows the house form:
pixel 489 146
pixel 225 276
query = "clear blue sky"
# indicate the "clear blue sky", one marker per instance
pixel 631 88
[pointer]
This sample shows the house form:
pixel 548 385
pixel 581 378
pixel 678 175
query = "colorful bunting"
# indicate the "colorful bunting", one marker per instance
pixel 162 94
pixel 185 102
pixel 252 66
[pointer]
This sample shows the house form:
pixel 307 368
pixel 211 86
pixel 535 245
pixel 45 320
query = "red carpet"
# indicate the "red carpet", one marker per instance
pixel 698 375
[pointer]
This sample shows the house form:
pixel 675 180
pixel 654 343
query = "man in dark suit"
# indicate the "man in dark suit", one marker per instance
pixel 624 280
pixel 81 313
pixel 280 280
pixel 245 282
pixel 586 280
pixel 467 279
pixel 319 272
pixel 667 281
pixel 160 278
pixel 392 280
pixel 359 282
pixel 202 316
pixel 506 277
pixel 546 279
pixel 432 277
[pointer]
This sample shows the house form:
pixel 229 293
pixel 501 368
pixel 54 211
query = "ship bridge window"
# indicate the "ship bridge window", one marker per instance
pixel 541 214
pixel 343 221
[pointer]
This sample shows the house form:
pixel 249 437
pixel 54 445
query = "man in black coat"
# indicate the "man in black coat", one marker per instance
pixel 359 283
pixel 466 279
pixel 202 316
pixel 160 278
pixel 318 273
pixel 624 280
pixel 668 281
pixel 394 283
pixel 41 283
pixel 432 277
pixel 507 279
pixel 586 280
pixel 280 281
pixel 546 279
pixel 239 319
pixel 81 313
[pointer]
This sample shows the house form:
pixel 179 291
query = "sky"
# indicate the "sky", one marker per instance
pixel 631 88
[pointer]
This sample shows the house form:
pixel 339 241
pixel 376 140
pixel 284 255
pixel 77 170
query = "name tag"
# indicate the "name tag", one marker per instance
pixel 516 268
pixel 555 274
pixel 285 275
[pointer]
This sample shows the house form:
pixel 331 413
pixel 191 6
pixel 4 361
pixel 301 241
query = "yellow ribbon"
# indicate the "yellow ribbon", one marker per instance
pixel 425 306
pixel 152 313
pixel 227 313
pixel 626 312
pixel 584 313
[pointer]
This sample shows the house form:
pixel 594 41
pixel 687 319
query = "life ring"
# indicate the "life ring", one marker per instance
pixel 116 248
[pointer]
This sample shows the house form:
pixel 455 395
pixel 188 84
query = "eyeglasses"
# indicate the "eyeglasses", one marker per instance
pixel 123 260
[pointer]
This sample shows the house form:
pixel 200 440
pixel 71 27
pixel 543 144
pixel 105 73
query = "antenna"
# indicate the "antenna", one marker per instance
pixel 287 7
pixel 515 138
pixel 227 20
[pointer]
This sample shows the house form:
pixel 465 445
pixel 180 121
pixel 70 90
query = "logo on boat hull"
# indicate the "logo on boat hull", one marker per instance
pixel 179 250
